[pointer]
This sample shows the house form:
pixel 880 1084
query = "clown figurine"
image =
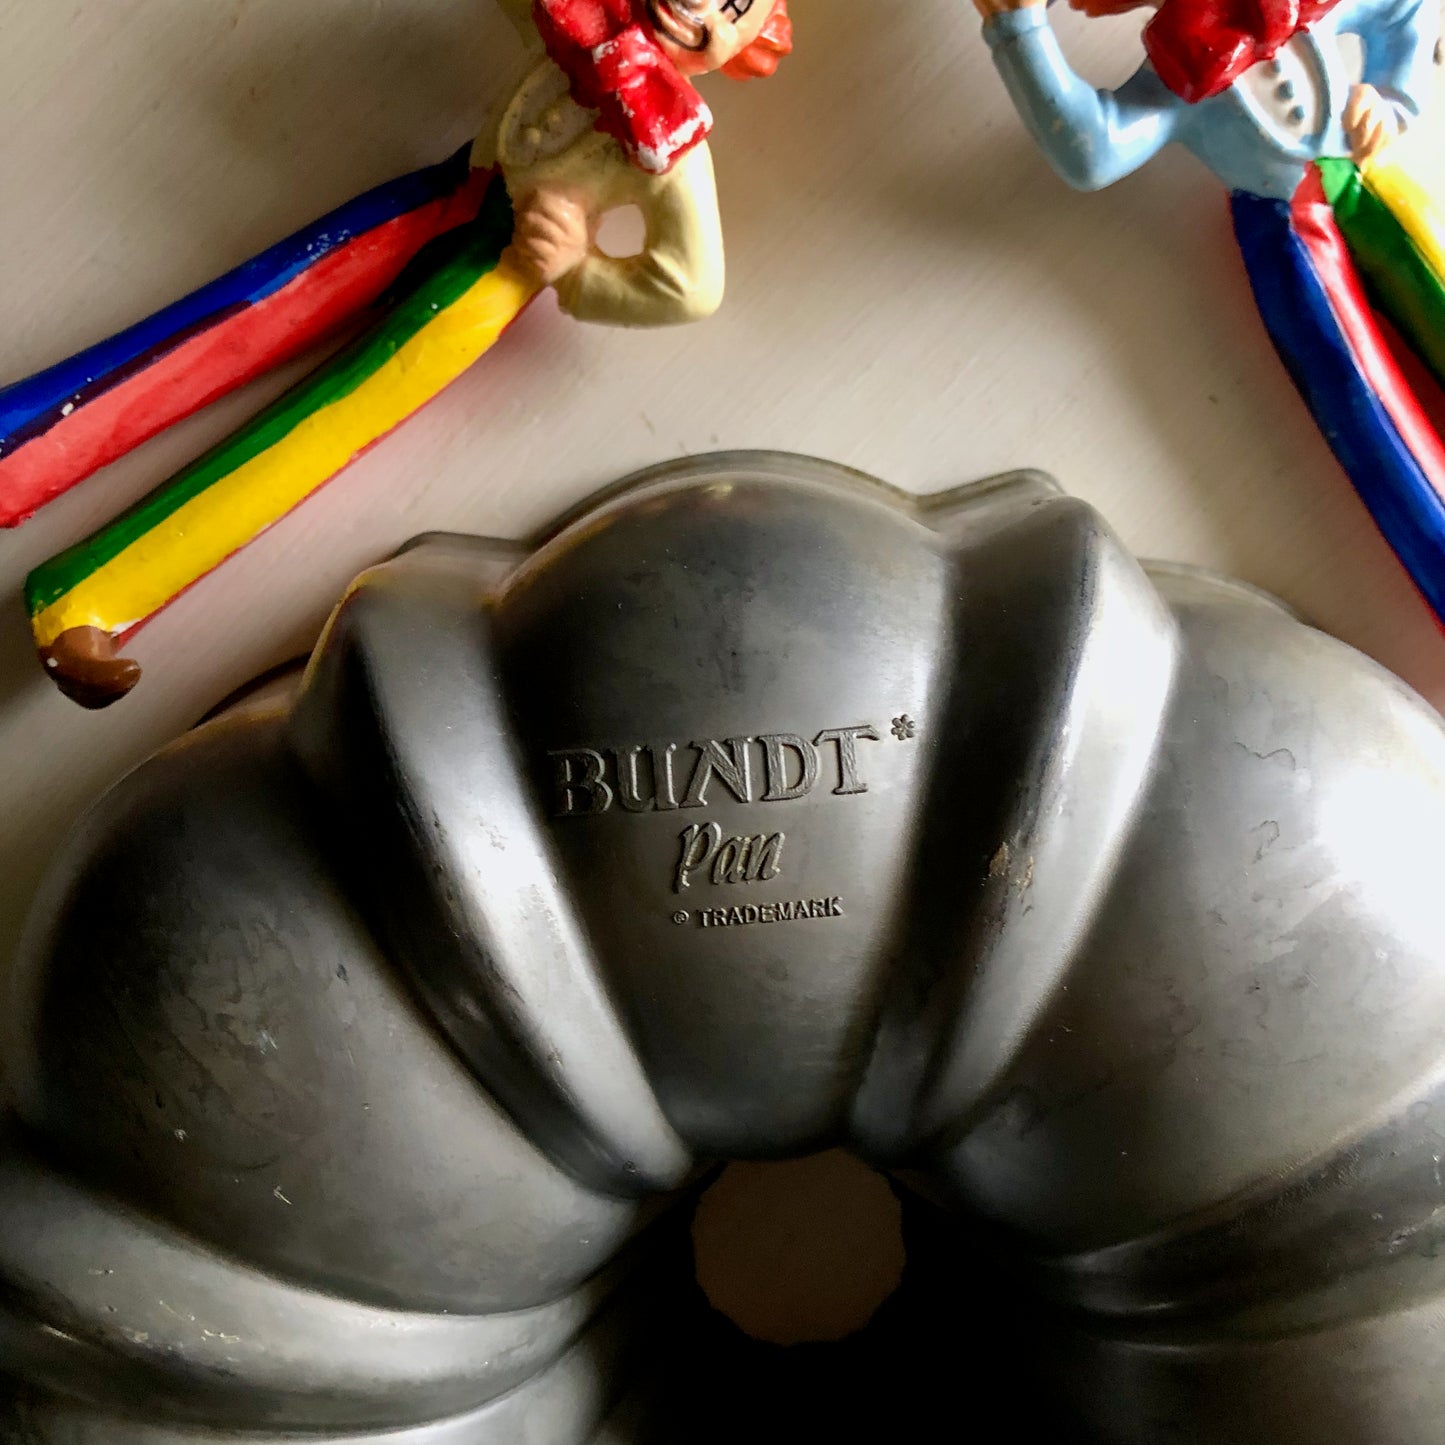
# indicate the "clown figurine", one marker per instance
pixel 1330 226
pixel 444 260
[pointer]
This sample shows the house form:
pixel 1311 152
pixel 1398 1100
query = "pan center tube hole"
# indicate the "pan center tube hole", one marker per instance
pixel 800 1252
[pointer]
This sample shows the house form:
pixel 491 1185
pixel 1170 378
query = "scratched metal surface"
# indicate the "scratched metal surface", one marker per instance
pixel 912 293
pixel 1100 907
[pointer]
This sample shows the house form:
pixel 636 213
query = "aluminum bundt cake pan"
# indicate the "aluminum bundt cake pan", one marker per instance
pixel 372 1041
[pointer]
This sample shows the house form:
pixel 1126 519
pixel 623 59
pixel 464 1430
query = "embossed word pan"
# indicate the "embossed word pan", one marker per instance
pixel 374 1040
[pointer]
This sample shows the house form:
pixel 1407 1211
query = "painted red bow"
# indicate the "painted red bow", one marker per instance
pixel 616 67
pixel 1201 47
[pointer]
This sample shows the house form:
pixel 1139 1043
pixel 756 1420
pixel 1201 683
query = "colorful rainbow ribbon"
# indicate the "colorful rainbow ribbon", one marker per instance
pixel 1359 246
pixel 64 423
pixel 452 302
pixel 1396 234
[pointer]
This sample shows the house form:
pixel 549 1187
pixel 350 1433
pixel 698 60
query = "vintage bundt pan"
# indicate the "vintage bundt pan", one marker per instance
pixel 374 1040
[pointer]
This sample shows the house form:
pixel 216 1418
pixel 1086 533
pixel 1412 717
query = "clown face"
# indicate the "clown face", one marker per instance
pixel 705 35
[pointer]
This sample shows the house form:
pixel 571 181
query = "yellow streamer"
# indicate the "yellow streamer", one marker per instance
pixel 237 508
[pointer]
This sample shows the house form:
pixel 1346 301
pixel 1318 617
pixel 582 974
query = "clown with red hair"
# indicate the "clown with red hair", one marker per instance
pixel 1336 233
pixel 611 119
pixel 444 260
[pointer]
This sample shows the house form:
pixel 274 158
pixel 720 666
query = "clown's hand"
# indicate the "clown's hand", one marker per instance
pixel 553 236
pixel 1371 122
pixel 1101 8
pixel 989 8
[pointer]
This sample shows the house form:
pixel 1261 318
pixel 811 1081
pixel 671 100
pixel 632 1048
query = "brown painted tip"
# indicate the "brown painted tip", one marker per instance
pixel 83 664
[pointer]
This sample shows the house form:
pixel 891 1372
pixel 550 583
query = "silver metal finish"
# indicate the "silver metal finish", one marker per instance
pixel 373 1040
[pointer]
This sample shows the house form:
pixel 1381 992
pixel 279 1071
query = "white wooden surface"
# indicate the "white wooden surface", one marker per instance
pixel 912 292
